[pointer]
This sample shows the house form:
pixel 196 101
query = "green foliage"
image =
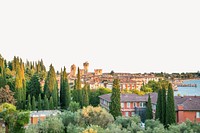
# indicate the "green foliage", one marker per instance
pixel 134 128
pixel 39 102
pixel 159 105
pixel 79 89
pixel 51 124
pixel 51 105
pixel 29 103
pixel 68 117
pixel 32 129
pixel 46 103
pixel 113 128
pixel 75 92
pixel 154 126
pixel 55 97
pixel 51 83
pixel 85 96
pixel 14 120
pixel 187 127
pixel 171 114
pixel 65 94
pixel 33 103
pixel 18 120
pixel 138 92
pixel 95 93
pixel 34 88
pixel 74 106
pixel 163 120
pixel 2 81
pixel 74 129
pixel 94 116
pixel 149 113
pixel 127 121
pixel 115 106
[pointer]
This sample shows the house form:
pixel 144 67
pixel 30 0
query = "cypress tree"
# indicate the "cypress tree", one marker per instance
pixel 33 103
pixel 51 105
pixel 115 105
pixel 149 114
pixel 50 82
pixel 55 97
pixel 61 89
pixel 29 103
pixel 65 91
pixel 39 102
pixel 34 88
pixel 68 93
pixel 75 92
pixel 163 120
pixel 46 103
pixel 159 105
pixel 79 90
pixel 85 96
pixel 171 114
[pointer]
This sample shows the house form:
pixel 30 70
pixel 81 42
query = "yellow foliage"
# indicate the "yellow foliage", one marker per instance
pixel 90 130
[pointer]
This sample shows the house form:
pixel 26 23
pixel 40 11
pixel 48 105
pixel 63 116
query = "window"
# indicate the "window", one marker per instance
pixel 104 102
pixel 141 104
pixel 132 113
pixel 126 114
pixel 198 114
pixel 122 105
pixel 128 105
pixel 135 104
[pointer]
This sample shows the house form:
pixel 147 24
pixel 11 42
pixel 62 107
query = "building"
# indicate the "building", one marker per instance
pixel 36 116
pixel 187 107
pixel 130 103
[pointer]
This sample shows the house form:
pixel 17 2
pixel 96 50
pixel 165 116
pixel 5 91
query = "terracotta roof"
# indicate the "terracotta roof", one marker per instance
pixel 188 102
pixel 132 97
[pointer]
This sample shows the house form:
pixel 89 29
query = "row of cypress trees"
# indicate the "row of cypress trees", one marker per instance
pixel 165 108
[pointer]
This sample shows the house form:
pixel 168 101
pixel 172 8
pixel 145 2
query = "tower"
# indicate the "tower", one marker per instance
pixel 73 70
pixel 86 65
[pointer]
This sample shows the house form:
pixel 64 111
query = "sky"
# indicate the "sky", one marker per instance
pixel 124 36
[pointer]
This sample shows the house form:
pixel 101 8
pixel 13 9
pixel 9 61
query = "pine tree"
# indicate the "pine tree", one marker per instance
pixel 46 103
pixel 85 96
pixel 149 114
pixel 171 114
pixel 51 105
pixel 29 103
pixel 33 103
pixel 115 106
pixel 39 102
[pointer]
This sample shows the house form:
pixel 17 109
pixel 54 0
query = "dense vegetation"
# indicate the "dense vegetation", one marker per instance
pixel 28 87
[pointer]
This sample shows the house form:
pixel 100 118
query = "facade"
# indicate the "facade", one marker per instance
pixel 187 107
pixel 130 103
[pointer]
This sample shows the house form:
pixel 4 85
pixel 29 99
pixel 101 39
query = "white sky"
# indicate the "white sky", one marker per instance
pixel 124 36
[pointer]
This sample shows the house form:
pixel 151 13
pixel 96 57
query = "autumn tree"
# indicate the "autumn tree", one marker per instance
pixel 7 96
